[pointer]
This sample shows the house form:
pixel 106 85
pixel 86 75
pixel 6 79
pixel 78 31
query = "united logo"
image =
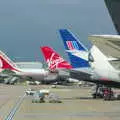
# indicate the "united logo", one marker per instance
pixel 72 45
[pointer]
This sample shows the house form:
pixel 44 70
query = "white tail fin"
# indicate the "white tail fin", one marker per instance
pixel 100 60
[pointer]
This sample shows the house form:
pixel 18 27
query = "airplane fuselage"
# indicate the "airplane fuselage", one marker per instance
pixel 35 74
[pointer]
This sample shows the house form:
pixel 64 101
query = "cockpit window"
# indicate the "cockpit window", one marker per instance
pixel 115 64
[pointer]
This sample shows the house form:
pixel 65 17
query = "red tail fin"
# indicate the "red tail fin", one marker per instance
pixel 6 63
pixel 54 60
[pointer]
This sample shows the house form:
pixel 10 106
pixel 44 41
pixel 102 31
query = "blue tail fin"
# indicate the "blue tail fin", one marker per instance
pixel 70 41
pixel 77 52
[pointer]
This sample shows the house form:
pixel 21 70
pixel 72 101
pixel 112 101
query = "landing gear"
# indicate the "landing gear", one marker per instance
pixel 97 91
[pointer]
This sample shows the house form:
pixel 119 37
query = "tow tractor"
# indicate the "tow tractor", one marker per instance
pixel 104 92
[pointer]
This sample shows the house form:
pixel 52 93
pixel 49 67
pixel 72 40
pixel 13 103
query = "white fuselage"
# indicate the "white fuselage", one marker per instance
pixel 36 74
pixel 102 67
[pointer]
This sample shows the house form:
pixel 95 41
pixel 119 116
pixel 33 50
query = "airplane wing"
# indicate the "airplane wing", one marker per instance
pixel 84 74
pixel 108 44
pixel 114 8
pixel 80 75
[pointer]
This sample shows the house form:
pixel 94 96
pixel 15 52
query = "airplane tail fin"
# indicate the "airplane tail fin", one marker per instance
pixel 53 59
pixel 77 52
pixel 114 8
pixel 6 63
pixel 70 41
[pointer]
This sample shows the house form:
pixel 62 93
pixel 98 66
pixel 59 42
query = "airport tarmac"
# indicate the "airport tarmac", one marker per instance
pixel 77 104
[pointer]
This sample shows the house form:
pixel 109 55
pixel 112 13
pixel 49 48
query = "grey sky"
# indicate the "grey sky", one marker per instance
pixel 25 25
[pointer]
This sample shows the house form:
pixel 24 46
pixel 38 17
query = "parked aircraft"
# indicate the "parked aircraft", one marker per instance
pixel 97 65
pixel 53 59
pixel 57 64
pixel 33 74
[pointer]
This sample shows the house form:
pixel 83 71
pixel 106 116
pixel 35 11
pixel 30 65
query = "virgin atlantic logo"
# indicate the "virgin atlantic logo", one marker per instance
pixel 54 62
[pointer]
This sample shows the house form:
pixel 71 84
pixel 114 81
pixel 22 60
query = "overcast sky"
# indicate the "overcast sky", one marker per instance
pixel 25 25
